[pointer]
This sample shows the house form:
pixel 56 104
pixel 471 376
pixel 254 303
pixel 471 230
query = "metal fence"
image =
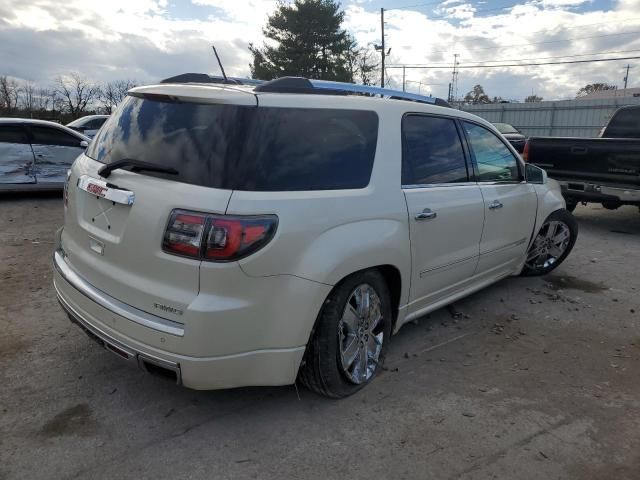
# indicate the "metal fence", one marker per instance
pixel 564 118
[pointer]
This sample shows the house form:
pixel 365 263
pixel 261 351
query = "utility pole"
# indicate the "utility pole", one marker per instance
pixel 382 44
pixel 626 77
pixel 404 70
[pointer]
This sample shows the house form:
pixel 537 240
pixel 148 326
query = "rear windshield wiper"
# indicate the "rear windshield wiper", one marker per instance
pixel 136 166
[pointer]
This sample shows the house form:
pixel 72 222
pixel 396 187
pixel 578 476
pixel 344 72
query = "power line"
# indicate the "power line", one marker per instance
pixel 405 7
pixel 548 41
pixel 526 59
pixel 515 64
pixel 482 10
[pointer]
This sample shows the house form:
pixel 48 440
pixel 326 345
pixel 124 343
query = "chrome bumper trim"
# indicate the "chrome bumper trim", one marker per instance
pixel 623 194
pixel 114 346
pixel 112 304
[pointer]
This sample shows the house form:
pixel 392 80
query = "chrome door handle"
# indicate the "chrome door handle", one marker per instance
pixel 426 214
pixel 495 205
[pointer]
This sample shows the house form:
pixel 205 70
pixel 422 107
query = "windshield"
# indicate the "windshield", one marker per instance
pixel 505 128
pixel 243 147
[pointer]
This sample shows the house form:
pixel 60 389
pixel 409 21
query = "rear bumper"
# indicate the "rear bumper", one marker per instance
pixel 112 328
pixel 587 191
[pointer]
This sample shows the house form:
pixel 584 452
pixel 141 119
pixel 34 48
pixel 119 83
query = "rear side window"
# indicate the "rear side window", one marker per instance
pixel 13 134
pixel 308 149
pixel 624 124
pixel 53 136
pixel 243 148
pixel 432 151
pixel 94 124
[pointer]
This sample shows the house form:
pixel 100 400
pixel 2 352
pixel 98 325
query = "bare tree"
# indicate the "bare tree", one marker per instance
pixel 368 69
pixel 112 93
pixel 9 94
pixel 43 99
pixel 533 99
pixel 77 93
pixel 28 96
pixel 362 65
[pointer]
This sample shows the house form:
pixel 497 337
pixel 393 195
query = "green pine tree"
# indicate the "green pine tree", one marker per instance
pixel 305 39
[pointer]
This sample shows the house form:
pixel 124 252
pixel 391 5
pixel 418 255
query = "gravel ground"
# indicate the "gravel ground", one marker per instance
pixel 532 378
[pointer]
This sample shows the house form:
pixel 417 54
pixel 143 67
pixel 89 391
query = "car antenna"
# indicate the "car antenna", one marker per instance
pixel 220 63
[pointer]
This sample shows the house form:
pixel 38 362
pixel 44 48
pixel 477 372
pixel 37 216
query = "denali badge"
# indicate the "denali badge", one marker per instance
pixel 166 308
pixel 630 171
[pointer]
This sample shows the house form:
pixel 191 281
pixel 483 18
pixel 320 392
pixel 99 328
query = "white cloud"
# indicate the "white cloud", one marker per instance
pixel 143 39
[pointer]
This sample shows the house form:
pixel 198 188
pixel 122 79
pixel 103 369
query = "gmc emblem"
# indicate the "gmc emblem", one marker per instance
pixel 96 189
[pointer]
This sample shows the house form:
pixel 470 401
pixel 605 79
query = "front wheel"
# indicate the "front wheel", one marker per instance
pixel 552 244
pixel 350 338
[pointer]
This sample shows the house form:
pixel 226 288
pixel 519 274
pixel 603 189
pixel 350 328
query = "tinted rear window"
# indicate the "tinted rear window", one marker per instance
pixel 244 148
pixel 624 124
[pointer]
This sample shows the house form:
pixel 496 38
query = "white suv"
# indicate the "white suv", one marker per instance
pixel 228 236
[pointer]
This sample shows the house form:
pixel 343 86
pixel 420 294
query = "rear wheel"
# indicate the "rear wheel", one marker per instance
pixel 611 205
pixel 553 243
pixel 351 336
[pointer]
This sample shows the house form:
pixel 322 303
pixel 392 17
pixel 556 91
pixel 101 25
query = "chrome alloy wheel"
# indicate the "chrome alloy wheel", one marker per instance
pixel 552 241
pixel 361 332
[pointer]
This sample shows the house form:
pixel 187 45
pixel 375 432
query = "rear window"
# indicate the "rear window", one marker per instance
pixel 243 148
pixel 624 124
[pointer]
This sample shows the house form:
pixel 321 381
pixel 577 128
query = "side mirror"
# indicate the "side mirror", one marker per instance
pixel 535 174
pixel 84 144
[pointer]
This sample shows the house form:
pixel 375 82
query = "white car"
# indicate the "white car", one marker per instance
pixel 227 236
pixel 36 154
pixel 89 124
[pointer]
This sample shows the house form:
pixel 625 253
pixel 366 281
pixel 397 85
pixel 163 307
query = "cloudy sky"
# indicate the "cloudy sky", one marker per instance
pixel 148 40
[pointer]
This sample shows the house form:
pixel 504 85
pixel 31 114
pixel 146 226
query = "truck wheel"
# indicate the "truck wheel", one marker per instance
pixel 572 203
pixel 611 205
pixel 553 243
pixel 351 336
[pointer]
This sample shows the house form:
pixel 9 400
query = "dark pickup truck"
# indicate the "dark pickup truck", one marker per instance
pixel 602 170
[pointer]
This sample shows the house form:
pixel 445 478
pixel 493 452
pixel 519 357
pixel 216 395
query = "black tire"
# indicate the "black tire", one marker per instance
pixel 572 203
pixel 321 369
pixel 558 216
pixel 611 205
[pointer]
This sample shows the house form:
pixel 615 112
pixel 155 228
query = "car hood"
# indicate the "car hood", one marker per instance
pixel 514 136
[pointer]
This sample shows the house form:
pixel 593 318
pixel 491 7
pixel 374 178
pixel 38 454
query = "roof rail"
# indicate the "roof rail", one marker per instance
pixel 204 78
pixel 325 87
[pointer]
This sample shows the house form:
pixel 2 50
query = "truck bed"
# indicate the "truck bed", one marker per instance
pixel 608 161
pixel 605 170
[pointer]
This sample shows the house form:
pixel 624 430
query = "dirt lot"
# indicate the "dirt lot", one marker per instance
pixel 533 378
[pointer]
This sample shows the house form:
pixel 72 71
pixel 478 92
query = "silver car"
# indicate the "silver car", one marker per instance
pixel 36 154
pixel 88 125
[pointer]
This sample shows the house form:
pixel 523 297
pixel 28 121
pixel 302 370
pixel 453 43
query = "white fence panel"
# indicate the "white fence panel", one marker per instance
pixel 564 118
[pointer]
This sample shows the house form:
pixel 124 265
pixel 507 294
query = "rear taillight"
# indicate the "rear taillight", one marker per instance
pixel 525 152
pixel 217 238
